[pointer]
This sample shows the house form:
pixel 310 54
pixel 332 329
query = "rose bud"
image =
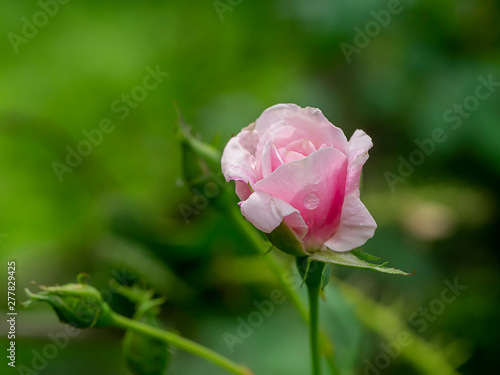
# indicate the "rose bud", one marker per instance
pixel 298 180
pixel 79 305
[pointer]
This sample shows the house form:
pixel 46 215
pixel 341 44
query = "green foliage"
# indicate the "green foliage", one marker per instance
pixel 351 259
pixel 325 276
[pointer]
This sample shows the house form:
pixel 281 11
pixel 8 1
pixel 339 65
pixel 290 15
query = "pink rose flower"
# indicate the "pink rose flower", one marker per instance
pixel 293 166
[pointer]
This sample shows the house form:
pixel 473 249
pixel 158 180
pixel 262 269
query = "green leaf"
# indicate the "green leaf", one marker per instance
pixel 325 276
pixel 363 255
pixel 349 259
pixel 303 264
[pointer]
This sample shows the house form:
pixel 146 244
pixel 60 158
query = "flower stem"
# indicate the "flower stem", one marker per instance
pixel 180 342
pixel 291 293
pixel 313 282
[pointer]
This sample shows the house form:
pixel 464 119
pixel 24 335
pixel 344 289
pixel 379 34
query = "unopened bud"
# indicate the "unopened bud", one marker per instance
pixel 79 305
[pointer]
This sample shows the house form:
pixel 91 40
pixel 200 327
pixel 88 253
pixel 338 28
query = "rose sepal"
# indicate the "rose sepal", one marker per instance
pixel 285 240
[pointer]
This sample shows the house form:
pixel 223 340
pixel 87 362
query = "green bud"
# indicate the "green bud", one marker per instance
pixel 79 305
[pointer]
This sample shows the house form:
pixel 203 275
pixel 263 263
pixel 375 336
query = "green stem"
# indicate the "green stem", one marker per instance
pixel 261 248
pixel 313 282
pixel 180 342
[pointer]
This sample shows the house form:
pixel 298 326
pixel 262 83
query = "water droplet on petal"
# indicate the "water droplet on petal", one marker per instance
pixel 311 201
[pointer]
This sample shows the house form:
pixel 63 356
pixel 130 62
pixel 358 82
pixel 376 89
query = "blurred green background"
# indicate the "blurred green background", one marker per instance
pixel 117 212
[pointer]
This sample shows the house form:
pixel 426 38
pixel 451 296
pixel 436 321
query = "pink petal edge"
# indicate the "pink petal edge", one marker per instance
pixel 359 144
pixel 237 161
pixel 266 213
pixel 356 226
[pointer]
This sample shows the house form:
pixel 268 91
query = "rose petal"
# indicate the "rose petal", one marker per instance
pixel 280 136
pixel 237 161
pixel 356 226
pixel 275 114
pixel 302 146
pixel 276 159
pixel 315 186
pixel 319 129
pixel 266 213
pixel 270 159
pixel 311 121
pixel 357 154
pixel 290 156
pixel 243 191
pixel 266 158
